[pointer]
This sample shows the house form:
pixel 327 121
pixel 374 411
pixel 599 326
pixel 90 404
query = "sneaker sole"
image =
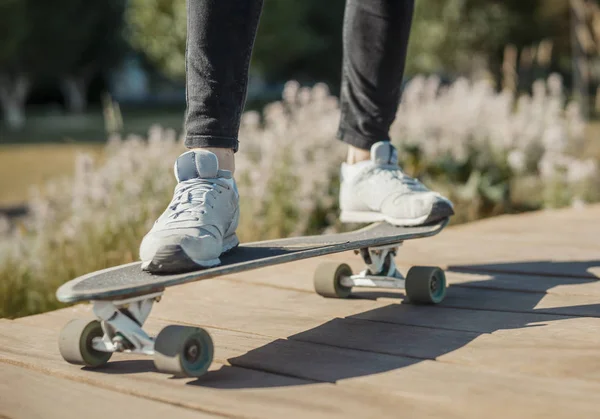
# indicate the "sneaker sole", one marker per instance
pixel 172 259
pixel 438 212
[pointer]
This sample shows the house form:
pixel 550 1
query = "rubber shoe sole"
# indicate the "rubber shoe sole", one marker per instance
pixel 172 259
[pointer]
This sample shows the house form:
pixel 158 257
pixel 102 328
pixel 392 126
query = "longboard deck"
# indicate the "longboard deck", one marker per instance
pixel 129 280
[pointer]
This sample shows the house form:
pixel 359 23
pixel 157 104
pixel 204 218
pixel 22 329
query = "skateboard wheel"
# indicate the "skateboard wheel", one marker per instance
pixel 75 343
pixel 183 351
pixel 425 284
pixel 327 280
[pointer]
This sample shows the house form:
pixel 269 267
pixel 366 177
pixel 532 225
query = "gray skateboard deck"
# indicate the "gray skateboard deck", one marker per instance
pixel 123 296
pixel 129 280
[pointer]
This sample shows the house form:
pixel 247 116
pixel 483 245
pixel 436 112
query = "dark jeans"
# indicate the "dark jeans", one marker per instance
pixel 220 38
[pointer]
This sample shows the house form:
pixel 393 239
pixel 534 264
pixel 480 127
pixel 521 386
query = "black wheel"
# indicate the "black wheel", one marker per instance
pixel 327 280
pixel 183 351
pixel 425 284
pixel 75 343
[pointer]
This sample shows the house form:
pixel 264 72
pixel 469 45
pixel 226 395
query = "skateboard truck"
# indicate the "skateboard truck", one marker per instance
pixel 178 350
pixel 123 296
pixel 423 284
pixel 122 322
pixel 381 271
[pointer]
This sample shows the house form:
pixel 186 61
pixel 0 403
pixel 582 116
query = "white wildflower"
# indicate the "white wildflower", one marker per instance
pixel 578 203
pixel 5 226
pixel 580 170
pixel 517 160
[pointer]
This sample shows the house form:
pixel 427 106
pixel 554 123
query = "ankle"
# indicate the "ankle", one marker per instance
pixel 356 155
pixel 225 156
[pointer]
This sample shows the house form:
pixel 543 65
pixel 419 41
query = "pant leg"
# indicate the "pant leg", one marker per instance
pixel 220 38
pixel 376 34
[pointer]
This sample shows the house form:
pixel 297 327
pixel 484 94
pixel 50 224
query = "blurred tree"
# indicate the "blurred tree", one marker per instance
pixel 290 36
pixel 327 18
pixel 302 40
pixel 13 28
pixel 102 49
pixel 457 36
pixel 13 86
pixel 79 40
pixel 454 35
pixel 65 40
pixel 540 36
pixel 158 29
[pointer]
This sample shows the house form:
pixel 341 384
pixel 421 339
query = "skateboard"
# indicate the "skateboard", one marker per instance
pixel 123 296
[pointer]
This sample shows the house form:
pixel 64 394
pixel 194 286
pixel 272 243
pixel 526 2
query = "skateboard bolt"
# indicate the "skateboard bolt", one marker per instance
pixel 434 285
pixel 192 352
pixel 119 344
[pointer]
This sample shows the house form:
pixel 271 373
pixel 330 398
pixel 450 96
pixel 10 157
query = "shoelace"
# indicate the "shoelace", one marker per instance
pixel 395 174
pixel 190 196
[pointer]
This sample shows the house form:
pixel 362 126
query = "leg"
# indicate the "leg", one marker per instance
pixel 376 34
pixel 373 188
pixel 220 38
pixel 199 223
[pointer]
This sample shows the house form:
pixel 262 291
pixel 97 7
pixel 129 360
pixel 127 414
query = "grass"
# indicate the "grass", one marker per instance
pixel 22 166
pixel 592 143
pixel 47 146
pixel 44 126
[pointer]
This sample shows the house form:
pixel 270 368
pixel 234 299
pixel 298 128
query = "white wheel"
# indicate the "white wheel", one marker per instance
pixel 75 343
pixel 327 280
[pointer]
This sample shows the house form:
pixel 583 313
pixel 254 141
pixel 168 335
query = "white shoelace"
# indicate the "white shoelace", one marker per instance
pixel 393 174
pixel 190 198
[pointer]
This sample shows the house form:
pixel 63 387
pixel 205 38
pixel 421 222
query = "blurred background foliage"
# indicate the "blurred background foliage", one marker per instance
pixel 73 72
pixel 68 52
pixel 92 99
pixel 302 40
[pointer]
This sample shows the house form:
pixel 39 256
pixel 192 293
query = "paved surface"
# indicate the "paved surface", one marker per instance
pixel 518 336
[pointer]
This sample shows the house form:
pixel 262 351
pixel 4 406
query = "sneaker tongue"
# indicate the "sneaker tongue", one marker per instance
pixel 196 164
pixel 384 153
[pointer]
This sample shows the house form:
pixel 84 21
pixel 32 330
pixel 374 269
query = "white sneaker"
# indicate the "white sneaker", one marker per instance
pixel 200 222
pixel 377 190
